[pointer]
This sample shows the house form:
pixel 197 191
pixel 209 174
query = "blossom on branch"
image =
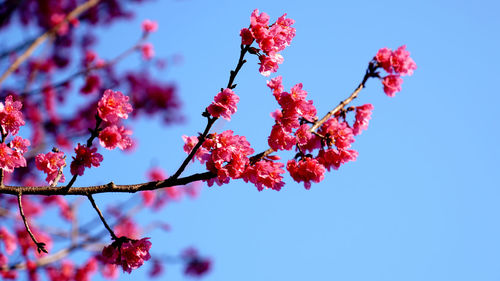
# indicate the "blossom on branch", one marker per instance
pixel 11 117
pixel 149 26
pixel 224 104
pixel 113 106
pixel 50 163
pixel 128 253
pixel 114 136
pixel 85 157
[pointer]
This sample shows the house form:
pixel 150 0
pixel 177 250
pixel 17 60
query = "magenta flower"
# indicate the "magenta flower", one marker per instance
pixel 401 61
pixel 306 170
pixel 10 158
pixel 114 136
pixel 113 106
pixel 147 51
pixel 333 158
pixel 363 115
pixel 9 240
pixel 269 63
pixel 265 173
pixel 50 163
pixel 85 157
pixel 11 117
pixel 392 84
pixel 128 253
pixel 224 104
pixel 149 26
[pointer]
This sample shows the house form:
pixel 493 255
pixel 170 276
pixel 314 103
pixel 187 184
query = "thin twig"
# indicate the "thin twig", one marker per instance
pixel 40 245
pixel 111 232
pixel 72 15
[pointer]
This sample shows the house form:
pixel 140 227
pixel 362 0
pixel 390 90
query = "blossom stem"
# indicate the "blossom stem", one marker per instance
pixel 91 199
pixel 40 246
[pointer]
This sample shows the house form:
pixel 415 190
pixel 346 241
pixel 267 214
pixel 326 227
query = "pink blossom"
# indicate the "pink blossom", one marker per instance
pixel 189 143
pixel 269 63
pixel 19 144
pixel 265 173
pixel 259 20
pixel 303 135
pixel 114 136
pixel 337 133
pixel 276 84
pixel 306 170
pixel 228 156
pixel 246 36
pixel 11 117
pixel 10 159
pixel 149 26
pixel 85 157
pixel 333 158
pixel 113 106
pixel 147 51
pixel 224 104
pixel 392 84
pixel 363 115
pixel 110 271
pixel 65 210
pixel 128 253
pixel 383 57
pixel 50 163
pixel 401 61
pixel 280 139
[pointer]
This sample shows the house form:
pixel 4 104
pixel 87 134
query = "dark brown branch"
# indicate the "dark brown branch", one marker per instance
pixel 40 245
pixel 106 188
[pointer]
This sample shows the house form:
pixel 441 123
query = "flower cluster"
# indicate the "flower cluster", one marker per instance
pixel 265 173
pixel 112 107
pixel 294 107
pixel 149 26
pixel 51 163
pixel 128 253
pixel 11 119
pixel 228 156
pixel 272 38
pixel 397 63
pixel 224 104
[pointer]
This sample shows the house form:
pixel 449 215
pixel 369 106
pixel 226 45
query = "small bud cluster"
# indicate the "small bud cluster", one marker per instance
pixel 397 63
pixel 272 39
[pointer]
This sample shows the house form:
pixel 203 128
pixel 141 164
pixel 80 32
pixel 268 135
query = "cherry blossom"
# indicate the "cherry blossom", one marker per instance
pixel 224 104
pixel 363 115
pixel 11 117
pixel 114 136
pixel 306 170
pixel 392 84
pixel 85 157
pixel 128 253
pixel 149 25
pixel 113 106
pixel 50 163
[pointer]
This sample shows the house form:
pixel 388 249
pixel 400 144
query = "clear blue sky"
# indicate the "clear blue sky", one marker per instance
pixel 422 201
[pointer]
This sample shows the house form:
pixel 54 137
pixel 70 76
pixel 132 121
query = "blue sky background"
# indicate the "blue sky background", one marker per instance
pixel 422 200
